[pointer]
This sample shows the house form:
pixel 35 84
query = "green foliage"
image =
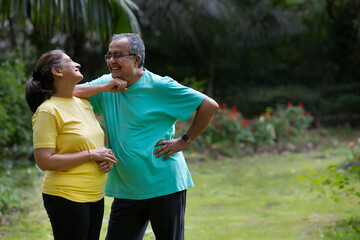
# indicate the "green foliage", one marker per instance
pixel 17 186
pixel 8 199
pixel 262 132
pixel 192 82
pixel 15 116
pixel 354 159
pixel 340 130
pixel 96 19
pixel 338 179
pixel 275 126
pixel 345 229
pixel 290 121
pixel 12 179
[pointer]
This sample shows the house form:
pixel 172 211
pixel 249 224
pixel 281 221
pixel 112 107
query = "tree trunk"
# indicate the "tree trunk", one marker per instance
pixel 12 33
pixel 210 88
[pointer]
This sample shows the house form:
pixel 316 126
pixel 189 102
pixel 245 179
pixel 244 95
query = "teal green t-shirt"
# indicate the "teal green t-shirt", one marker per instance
pixel 135 121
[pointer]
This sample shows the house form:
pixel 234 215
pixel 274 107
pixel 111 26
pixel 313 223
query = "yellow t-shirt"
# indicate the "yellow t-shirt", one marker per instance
pixel 69 125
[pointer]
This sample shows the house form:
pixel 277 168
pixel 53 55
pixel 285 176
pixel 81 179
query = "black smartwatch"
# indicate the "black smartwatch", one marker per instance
pixel 186 139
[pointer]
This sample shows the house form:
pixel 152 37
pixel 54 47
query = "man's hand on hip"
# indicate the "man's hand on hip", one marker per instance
pixel 169 147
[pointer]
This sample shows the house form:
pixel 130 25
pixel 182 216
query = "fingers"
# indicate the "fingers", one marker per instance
pixel 103 154
pixel 164 151
pixel 160 143
pixel 109 155
pixel 120 85
pixel 167 152
pixel 167 156
pixel 111 158
pixel 168 148
pixel 105 167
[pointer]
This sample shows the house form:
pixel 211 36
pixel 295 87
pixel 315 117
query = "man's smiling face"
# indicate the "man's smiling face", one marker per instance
pixel 121 64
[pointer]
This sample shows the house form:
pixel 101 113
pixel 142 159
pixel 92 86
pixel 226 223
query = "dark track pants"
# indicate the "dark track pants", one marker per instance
pixel 72 220
pixel 129 218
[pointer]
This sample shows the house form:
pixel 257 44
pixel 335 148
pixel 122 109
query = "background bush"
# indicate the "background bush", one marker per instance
pixel 15 116
pixel 274 126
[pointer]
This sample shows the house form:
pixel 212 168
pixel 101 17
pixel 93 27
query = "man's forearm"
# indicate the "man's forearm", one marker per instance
pixel 202 119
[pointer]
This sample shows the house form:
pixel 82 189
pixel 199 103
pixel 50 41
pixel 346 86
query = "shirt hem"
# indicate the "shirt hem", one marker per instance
pixel 147 196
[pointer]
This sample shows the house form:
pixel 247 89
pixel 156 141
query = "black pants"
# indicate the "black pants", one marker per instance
pixel 129 218
pixel 72 220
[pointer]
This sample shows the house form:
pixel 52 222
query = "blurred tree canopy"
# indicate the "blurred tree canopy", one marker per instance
pixel 257 54
pixel 252 53
pixel 82 27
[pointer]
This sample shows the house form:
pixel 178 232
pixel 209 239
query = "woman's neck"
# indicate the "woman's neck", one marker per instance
pixel 64 91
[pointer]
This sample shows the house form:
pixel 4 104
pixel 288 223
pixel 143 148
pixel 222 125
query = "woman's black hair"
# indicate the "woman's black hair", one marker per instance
pixel 40 87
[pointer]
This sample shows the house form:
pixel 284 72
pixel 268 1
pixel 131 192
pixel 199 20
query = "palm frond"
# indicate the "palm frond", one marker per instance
pixel 91 17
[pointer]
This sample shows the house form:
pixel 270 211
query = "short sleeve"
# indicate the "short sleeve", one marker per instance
pixel 45 130
pixel 181 101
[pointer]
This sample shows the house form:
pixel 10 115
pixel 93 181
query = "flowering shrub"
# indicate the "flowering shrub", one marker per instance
pixel 262 131
pixel 289 121
pixel 229 125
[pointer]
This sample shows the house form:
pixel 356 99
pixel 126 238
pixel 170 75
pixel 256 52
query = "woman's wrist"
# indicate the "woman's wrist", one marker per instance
pixel 89 153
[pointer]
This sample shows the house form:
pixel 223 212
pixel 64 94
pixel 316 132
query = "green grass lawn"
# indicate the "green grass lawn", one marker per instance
pixel 256 197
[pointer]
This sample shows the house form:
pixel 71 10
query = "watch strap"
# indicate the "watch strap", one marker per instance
pixel 186 139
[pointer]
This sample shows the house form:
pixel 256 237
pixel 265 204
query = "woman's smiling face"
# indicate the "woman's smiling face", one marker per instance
pixel 71 69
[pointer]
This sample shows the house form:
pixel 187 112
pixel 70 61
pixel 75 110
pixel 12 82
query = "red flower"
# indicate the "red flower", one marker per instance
pixel 245 122
pixel 218 126
pixel 308 113
pixel 301 105
pixel 233 109
pixel 288 132
pixel 351 144
pixel 224 106
pixel 289 104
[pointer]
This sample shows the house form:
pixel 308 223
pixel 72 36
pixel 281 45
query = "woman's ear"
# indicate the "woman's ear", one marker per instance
pixel 56 72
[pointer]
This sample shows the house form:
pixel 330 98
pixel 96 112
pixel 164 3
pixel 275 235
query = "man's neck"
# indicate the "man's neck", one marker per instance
pixel 138 74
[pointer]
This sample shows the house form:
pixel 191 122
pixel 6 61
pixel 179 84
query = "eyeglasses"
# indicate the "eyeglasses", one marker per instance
pixel 117 56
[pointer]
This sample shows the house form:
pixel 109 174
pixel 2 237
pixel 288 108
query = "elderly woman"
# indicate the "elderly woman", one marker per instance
pixel 69 145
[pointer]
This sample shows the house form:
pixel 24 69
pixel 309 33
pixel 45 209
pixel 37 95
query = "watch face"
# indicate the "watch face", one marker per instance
pixel 185 138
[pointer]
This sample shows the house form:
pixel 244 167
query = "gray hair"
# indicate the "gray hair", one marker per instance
pixel 136 45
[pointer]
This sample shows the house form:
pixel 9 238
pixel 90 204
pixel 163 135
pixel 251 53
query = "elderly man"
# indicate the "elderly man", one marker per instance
pixel 149 181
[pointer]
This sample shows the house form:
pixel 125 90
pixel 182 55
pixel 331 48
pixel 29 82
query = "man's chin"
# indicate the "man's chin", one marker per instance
pixel 115 75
